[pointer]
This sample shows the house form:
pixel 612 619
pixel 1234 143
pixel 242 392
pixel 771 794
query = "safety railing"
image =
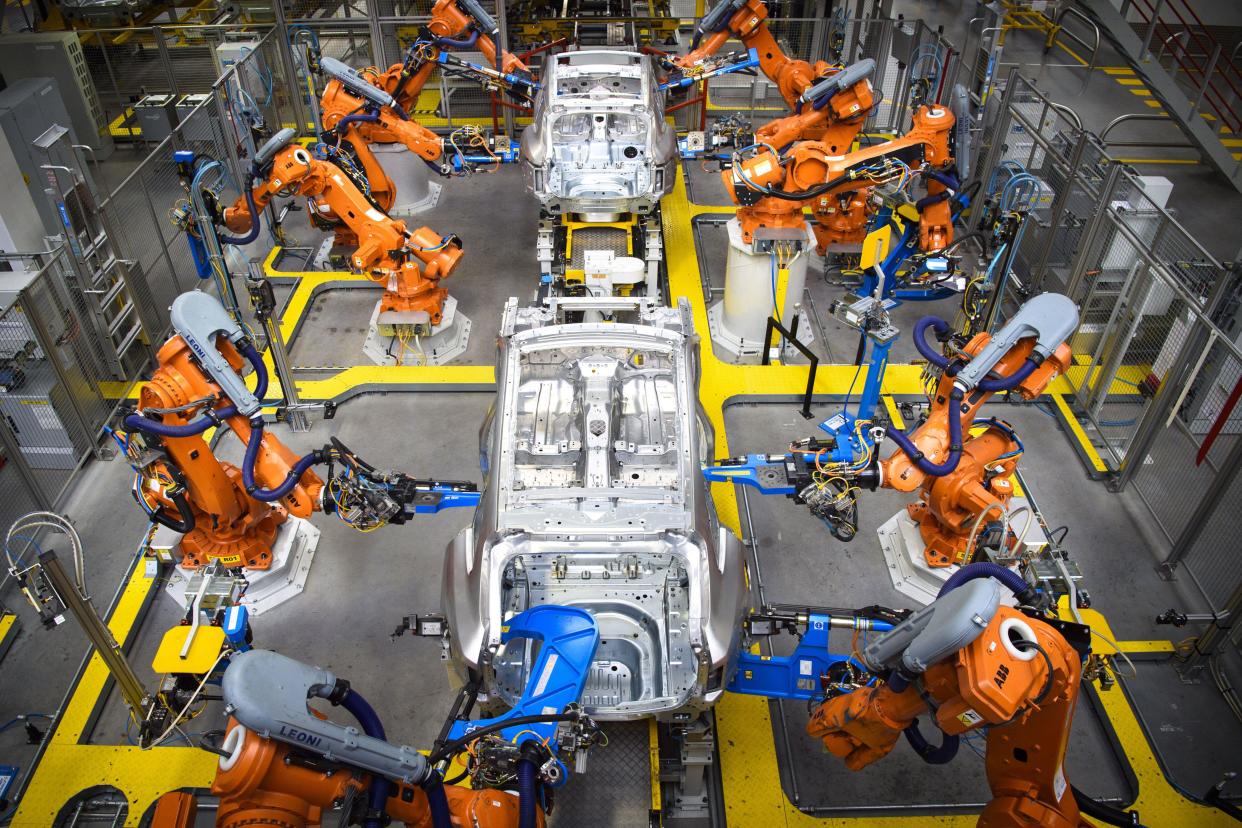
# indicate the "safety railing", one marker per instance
pixel 51 406
pixel 1206 70
pixel 1141 116
pixel 1093 46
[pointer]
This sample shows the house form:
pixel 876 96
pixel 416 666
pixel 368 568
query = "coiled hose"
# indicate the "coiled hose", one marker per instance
pixel 986 569
pixel 458 43
pixel 955 442
pixel 920 340
pixel 940 754
pixel 252 455
pixel 437 802
pixel 357 117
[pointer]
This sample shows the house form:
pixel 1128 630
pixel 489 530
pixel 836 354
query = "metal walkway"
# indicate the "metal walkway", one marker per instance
pixel 1211 73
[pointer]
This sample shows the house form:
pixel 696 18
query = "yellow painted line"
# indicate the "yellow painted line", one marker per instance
pixel 1076 429
pixel 1117 70
pixel 1154 105
pixel 1208 116
pixel 7 620
pixel 894 413
pixel 1143 93
pixel 1071 52
pixel 1158 160
pixel 653 764
pixel 68 767
pixel 1129 81
pixel 1231 142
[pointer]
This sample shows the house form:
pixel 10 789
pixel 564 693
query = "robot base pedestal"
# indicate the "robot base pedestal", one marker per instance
pixel 738 322
pixel 411 178
pixel 903 546
pixel 292 555
pixel 446 342
pixel 907 568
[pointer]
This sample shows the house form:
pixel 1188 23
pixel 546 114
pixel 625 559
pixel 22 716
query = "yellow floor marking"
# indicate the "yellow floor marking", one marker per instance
pixel 1183 161
pixel 1071 53
pixel 1128 81
pixel 1231 142
pixel 1143 93
pixel 894 413
pixel 1076 429
pixel 1117 70
pixel 1155 105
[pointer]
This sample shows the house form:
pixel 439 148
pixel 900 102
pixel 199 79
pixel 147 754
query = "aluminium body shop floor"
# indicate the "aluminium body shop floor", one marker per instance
pixel 360 586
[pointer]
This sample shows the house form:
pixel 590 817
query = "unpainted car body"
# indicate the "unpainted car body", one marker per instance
pixel 594 498
pixel 598 142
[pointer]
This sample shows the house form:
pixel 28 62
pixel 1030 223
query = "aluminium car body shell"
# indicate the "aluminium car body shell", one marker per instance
pixel 621 154
pixel 641 549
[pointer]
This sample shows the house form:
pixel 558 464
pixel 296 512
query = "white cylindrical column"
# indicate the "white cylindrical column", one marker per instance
pixel 751 293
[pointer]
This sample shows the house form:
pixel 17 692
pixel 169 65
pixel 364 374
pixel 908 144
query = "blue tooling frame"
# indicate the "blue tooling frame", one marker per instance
pixel 749 62
pixel 797 676
pixel 569 637
pixel 450 498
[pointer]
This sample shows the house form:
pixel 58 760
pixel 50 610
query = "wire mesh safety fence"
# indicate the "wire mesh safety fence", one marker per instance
pixel 1157 373
pixel 52 407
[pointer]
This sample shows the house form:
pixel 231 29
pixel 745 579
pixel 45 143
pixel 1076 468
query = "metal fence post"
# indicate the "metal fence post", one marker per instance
pixel 165 59
pixel 377 35
pixel 222 112
pixel 502 21
pixel 1040 270
pixel 994 149
pixel 1207 81
pixel 281 33
pixel 1217 634
pixel 1145 52
pixel 1203 510
pixel 1078 269
pixel 51 350
pixel 1157 413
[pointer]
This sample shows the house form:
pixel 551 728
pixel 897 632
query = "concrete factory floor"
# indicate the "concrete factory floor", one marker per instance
pixel 361 586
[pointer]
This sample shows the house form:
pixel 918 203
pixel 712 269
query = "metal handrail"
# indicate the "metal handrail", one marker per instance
pixel 1095 49
pixel 1139 116
pixel 1216 98
pixel 1069 111
pixel 1165 44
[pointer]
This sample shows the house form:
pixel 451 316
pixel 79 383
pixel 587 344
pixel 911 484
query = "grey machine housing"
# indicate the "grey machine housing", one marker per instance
pixel 266 693
pixel 1049 317
pixel 938 630
pixel 598 143
pixel 593 497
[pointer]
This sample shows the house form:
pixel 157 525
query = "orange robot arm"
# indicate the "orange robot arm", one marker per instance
pixel 773 189
pixel 747 21
pixel 410 264
pixel 258 785
pixel 1032 343
pixel 1017 675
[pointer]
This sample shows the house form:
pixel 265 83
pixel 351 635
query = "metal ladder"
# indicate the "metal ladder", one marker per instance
pixel 99 281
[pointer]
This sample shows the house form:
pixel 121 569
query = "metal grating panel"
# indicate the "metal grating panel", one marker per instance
pixel 616 789
pixel 598 238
